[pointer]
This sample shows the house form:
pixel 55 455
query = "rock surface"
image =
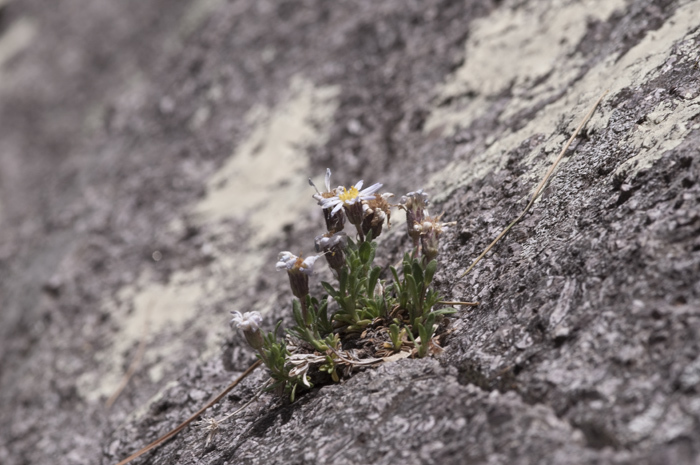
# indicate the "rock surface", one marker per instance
pixel 153 162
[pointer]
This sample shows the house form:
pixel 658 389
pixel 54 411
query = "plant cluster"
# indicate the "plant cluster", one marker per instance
pixel 362 318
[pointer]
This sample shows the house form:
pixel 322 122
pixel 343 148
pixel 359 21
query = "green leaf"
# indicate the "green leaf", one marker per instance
pixel 407 269
pixel 330 289
pixel 445 311
pixel 343 318
pixel 412 289
pixel 430 270
pixel 372 282
pixel 431 299
pixel 397 284
pixel 423 333
pixel 372 253
pixel 365 252
pixel 296 312
pixel 343 281
pixel 429 322
pixel 417 270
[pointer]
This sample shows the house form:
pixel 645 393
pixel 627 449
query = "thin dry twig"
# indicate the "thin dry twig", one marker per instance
pixel 135 362
pixel 182 426
pixel 211 425
pixel 456 302
pixel 541 184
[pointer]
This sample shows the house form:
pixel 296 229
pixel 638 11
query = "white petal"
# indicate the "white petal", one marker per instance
pixel 307 266
pixel 331 202
pixel 328 179
pixel 286 256
pixel 372 189
pixel 337 208
pixel 309 261
pixel 255 318
pixel 237 318
pixel 358 186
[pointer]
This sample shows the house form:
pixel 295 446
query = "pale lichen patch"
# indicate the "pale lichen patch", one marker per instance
pixel 640 64
pixel 16 38
pixel 663 129
pixel 529 49
pixel 264 181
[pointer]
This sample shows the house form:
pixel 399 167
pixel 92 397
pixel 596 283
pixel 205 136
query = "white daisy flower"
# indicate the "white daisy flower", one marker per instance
pixel 298 271
pixel 286 261
pixel 348 197
pixel 334 220
pixel 290 262
pixel 249 321
pixel 307 265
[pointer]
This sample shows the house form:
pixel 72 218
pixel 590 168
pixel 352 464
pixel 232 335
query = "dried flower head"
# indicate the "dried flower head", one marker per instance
pixel 375 211
pixel 415 204
pixel 429 232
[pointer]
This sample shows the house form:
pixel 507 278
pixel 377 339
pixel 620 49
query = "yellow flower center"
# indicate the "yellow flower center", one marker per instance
pixel 347 195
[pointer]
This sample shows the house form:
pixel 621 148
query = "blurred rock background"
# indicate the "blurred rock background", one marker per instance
pixel 153 162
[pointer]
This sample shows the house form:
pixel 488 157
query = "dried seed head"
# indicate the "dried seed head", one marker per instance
pixel 375 211
pixel 429 232
pixel 415 204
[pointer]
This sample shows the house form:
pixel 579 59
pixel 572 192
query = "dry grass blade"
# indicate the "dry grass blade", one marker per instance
pixel 182 426
pixel 456 302
pixel 541 185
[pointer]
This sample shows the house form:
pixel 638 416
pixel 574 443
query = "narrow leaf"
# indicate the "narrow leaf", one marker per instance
pixel 372 282
pixel 430 272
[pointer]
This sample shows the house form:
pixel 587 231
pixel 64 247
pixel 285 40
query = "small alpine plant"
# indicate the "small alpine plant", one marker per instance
pixel 367 313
